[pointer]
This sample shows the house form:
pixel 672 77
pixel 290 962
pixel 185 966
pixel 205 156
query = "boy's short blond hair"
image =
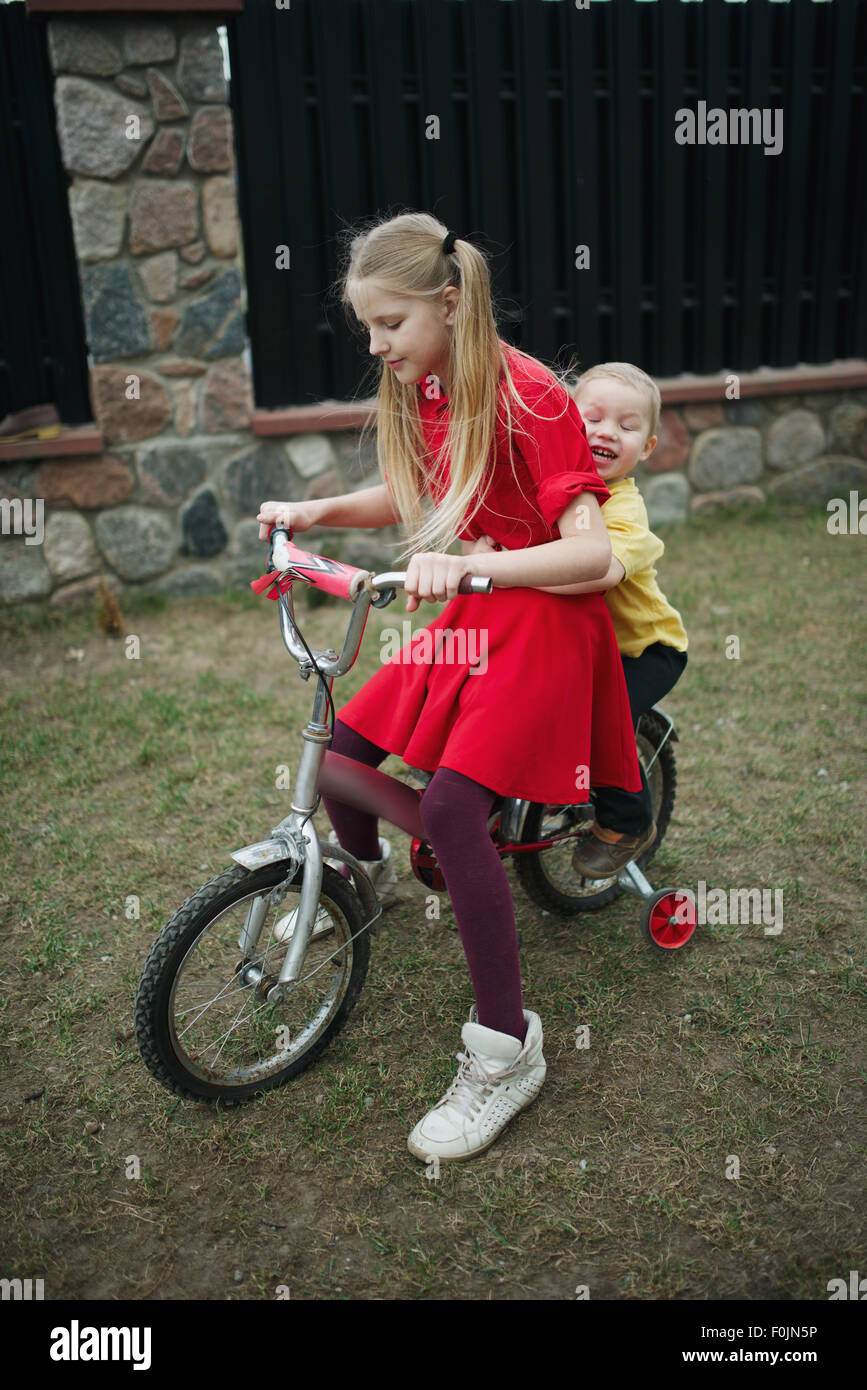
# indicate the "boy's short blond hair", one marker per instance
pixel 630 376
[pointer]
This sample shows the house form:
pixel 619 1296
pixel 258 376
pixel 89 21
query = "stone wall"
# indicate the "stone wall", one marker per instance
pixel 171 501
pixel 805 448
pixel 145 134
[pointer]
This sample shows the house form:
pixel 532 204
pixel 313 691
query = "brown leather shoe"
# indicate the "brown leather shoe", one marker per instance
pixel 602 853
pixel 36 422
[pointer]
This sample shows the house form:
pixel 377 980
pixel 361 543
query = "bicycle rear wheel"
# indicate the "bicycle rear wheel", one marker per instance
pixel 203 1023
pixel 548 877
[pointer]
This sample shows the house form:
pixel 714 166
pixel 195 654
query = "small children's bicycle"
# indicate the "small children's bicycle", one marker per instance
pixel 253 976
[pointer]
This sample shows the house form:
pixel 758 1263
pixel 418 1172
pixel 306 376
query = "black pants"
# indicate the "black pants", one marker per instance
pixel 648 678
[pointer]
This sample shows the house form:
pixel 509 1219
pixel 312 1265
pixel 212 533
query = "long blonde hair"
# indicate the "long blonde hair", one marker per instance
pixel 404 255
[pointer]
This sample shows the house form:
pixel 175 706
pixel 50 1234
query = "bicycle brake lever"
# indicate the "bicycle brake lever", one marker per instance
pixel 385 597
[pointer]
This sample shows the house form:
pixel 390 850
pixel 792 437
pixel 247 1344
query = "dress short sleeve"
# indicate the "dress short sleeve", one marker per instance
pixel 553 443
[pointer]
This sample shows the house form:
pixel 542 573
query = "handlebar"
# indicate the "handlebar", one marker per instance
pixel 385 584
pixel 392 579
pixel 469 584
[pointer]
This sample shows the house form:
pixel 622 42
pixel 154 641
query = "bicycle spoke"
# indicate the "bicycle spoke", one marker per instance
pixel 238 1020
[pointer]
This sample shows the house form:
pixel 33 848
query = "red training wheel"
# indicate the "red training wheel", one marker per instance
pixel 669 918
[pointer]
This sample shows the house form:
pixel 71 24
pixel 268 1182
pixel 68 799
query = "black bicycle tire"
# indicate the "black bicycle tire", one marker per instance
pixel 668 762
pixel 169 950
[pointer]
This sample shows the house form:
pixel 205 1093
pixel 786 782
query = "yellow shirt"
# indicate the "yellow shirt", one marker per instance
pixel 640 612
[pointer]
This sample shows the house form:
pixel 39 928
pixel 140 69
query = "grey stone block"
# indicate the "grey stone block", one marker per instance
pixel 137 542
pixel 724 458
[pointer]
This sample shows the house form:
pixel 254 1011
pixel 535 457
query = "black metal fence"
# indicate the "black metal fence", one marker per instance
pixel 557 130
pixel 43 343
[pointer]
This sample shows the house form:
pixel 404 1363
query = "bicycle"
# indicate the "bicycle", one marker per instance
pixel 222 1017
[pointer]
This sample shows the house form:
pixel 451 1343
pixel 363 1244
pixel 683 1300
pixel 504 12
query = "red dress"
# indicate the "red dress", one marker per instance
pixel 528 690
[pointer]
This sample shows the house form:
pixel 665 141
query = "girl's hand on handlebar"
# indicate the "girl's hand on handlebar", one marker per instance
pixel 298 516
pixel 435 577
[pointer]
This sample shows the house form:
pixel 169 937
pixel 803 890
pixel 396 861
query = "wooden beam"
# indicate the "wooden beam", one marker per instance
pixel 133 6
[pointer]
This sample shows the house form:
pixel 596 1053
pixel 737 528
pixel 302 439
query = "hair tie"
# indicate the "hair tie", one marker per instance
pixel 449 243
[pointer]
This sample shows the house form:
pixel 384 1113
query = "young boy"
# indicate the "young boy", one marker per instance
pixel 620 407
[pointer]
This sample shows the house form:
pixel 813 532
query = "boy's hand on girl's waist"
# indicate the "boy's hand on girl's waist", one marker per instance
pixel 483 546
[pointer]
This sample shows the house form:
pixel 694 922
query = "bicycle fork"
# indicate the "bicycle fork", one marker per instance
pixel 295 838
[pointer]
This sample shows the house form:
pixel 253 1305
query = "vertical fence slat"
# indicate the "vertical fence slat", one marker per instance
pixel 537 194
pixel 23 379
pixel 267 100
pixel 858 316
pixel 751 192
pixel 713 67
pixel 835 172
pixel 42 336
pixel 391 156
pixel 623 193
pixel 339 184
pixel 562 256
pixel 490 162
pixel 670 210
pixel 445 194
pixel 301 116
pixel 796 196
pixel 299 98
pixel 583 206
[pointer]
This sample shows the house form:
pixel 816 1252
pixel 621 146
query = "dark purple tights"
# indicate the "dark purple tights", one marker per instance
pixel 454 812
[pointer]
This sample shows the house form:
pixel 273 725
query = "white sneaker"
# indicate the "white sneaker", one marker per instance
pixel 382 875
pixel 497 1078
pixel 284 929
pixel 381 872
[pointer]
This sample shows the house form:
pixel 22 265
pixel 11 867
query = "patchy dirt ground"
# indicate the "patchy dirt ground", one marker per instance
pixel 137 778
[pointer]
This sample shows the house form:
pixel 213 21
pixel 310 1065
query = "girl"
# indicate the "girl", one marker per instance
pixel 492 439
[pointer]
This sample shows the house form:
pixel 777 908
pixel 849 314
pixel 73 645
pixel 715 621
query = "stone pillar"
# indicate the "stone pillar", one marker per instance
pixel 145 132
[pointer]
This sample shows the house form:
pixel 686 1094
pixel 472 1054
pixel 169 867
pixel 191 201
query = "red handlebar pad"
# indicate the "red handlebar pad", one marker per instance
pixel 329 575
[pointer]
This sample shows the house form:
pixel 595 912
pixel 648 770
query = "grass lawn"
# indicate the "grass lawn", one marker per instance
pixel 139 777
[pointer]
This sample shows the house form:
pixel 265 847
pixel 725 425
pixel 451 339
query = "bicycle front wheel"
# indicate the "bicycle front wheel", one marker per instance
pixel 203 1022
